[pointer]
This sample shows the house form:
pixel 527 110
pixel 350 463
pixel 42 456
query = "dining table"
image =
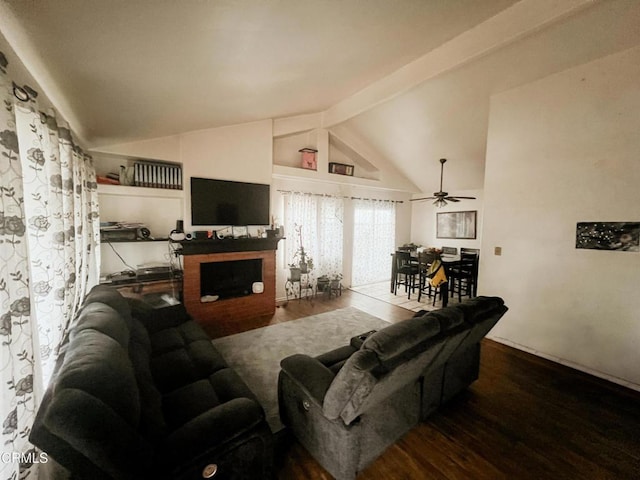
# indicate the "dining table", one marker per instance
pixel 447 260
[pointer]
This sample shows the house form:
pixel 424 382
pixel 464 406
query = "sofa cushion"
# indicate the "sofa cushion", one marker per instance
pixel 152 422
pixel 194 361
pixel 478 308
pixel 354 376
pixel 177 337
pixel 97 364
pixel 335 359
pixel 186 403
pixel 448 318
pixel 87 437
pixel 109 296
pixel 104 319
pixel 394 340
pixel 157 319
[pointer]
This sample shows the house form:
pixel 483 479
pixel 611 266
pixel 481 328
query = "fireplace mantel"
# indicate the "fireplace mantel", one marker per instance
pixel 221 316
pixel 195 247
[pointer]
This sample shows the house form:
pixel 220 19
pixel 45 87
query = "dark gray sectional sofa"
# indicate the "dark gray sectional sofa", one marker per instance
pixel 348 405
pixel 141 393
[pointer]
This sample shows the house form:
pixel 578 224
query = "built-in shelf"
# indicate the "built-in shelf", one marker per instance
pixel 130 191
pixel 148 240
pixel 280 171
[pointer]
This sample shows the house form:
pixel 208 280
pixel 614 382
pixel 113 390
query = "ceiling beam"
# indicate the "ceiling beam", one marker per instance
pixel 513 23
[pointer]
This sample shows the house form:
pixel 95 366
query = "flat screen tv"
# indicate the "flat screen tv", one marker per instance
pixel 223 202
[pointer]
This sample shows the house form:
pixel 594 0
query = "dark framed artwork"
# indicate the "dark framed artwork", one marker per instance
pixel 341 169
pixel 456 224
pixel 620 236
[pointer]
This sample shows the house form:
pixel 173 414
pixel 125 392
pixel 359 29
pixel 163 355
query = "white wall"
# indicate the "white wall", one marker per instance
pixel 560 151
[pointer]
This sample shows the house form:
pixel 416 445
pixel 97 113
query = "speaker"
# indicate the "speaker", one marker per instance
pixel 143 233
pixel 189 236
pixel 179 226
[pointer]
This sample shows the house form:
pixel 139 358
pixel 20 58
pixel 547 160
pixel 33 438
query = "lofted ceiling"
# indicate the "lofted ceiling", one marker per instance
pixel 126 70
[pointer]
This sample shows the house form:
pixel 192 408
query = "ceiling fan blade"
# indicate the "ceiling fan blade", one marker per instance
pixel 452 199
pixel 420 199
pixel 464 198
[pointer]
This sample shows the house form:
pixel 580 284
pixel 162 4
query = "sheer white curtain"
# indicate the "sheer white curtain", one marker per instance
pixel 319 219
pixel 374 233
pixel 49 232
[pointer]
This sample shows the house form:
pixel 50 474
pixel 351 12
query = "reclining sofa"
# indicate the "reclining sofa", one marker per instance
pixel 348 405
pixel 141 393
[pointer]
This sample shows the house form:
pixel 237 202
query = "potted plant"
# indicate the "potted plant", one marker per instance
pixel 306 262
pixel 323 282
pixel 301 257
pixel 294 272
pixel 335 280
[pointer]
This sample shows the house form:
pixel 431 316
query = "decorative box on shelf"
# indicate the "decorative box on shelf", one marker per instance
pixel 341 169
pixel 309 158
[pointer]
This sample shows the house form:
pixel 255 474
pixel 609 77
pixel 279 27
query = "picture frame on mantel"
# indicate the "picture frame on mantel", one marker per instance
pixel 240 231
pixel 459 225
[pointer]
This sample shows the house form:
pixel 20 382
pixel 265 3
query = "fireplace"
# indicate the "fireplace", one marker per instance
pixel 234 278
pixel 232 308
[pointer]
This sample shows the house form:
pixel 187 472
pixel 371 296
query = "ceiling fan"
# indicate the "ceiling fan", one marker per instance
pixel 441 198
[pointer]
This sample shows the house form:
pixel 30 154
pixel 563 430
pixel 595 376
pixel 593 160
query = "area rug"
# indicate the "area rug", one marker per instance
pixel 255 355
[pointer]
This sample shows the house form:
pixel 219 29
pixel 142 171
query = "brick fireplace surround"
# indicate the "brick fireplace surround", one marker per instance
pixel 217 316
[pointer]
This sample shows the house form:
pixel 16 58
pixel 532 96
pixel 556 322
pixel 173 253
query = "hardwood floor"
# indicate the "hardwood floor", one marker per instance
pixel 525 418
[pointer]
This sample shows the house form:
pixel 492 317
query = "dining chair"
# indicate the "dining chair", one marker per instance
pixel 475 251
pixel 406 272
pixel 463 275
pixel 425 260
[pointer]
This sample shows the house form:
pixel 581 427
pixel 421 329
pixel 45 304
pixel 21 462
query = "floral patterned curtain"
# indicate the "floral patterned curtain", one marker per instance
pixel 49 232
pixel 374 235
pixel 319 220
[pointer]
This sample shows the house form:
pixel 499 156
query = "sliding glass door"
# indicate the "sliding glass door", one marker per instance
pixel 374 232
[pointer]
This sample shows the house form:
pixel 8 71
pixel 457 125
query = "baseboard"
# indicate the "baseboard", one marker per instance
pixel 567 363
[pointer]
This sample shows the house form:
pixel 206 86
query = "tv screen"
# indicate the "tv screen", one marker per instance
pixel 223 202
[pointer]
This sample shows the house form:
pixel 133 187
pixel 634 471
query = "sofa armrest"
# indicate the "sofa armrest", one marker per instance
pixel 311 375
pixel 209 433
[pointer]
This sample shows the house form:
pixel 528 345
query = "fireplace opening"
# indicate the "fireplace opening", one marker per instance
pixel 229 279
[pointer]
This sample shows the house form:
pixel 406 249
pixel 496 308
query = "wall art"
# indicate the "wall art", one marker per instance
pixel 456 224
pixel 621 236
